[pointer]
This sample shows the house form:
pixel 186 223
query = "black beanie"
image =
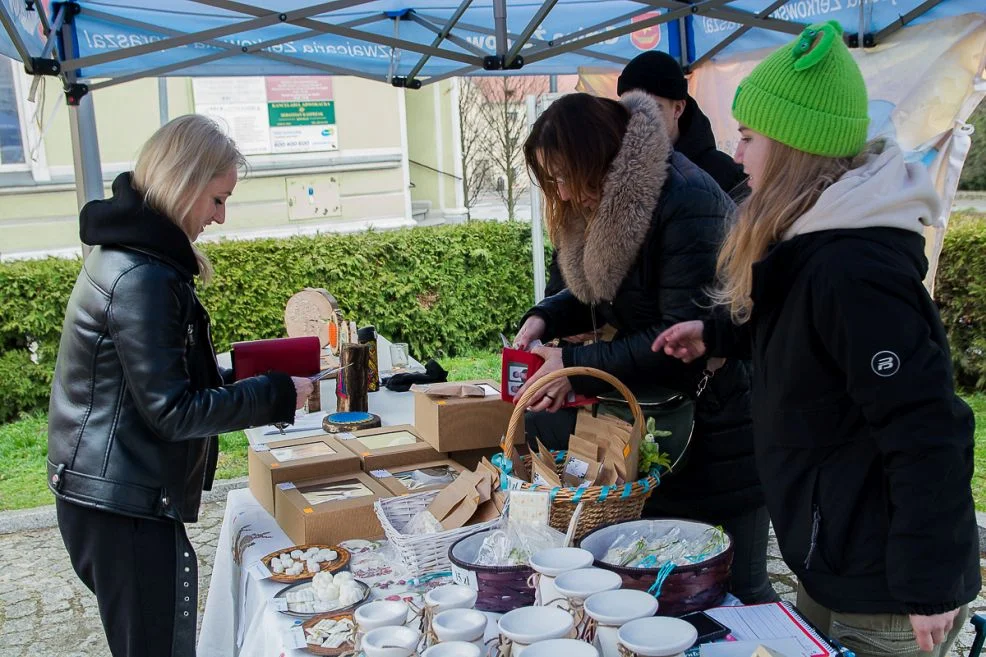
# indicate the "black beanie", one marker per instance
pixel 655 72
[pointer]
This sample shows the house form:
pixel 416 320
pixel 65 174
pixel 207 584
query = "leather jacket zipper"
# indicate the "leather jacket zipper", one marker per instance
pixel 816 523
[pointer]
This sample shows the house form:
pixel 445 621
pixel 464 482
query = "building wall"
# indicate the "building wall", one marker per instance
pixel 38 207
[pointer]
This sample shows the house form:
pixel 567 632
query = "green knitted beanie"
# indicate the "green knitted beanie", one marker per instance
pixel 809 95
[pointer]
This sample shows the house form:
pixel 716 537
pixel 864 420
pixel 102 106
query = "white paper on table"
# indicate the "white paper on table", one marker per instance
pixel 302 422
pixel 489 390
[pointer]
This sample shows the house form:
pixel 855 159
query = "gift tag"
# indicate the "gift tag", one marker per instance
pixel 345 435
pixel 258 570
pixel 287 485
pixel 381 474
pixel 465 577
pixel 261 447
pixel 576 467
pixel 294 638
pixel 278 604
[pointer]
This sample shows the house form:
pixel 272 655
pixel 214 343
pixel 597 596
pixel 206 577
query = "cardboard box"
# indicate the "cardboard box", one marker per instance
pixel 293 459
pixel 419 477
pixel 329 509
pixel 389 447
pixel 468 423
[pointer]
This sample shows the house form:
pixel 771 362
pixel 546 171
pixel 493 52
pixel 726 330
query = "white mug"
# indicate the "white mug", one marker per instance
pixel 453 649
pixel 459 625
pixel 551 563
pixel 612 609
pixel 657 637
pixel 451 596
pixel 394 641
pixel 561 648
pixel 380 613
pixel 528 625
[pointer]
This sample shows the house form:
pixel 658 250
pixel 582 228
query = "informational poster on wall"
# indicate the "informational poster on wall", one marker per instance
pixel 283 114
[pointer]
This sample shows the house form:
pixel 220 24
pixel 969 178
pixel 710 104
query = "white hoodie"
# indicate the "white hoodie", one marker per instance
pixel 884 192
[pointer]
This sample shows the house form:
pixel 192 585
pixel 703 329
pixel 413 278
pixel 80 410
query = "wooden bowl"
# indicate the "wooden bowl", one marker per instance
pixel 341 561
pixel 314 620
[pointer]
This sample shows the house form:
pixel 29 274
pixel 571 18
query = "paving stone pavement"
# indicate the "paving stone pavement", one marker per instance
pixel 46 611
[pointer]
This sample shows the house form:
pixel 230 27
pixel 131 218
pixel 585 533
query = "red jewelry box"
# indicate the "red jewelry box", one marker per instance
pixel 517 366
pixel 292 356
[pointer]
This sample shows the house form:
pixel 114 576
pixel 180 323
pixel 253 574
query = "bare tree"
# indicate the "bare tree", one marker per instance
pixel 504 119
pixel 475 165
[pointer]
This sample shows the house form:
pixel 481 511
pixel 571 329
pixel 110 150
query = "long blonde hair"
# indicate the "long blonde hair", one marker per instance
pixel 790 185
pixel 175 165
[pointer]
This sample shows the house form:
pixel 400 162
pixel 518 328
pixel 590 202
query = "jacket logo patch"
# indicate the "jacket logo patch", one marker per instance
pixel 885 363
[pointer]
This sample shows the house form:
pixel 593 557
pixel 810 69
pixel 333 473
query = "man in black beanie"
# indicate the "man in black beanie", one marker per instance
pixel 660 75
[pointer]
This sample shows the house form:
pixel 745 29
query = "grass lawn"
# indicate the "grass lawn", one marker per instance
pixel 23 444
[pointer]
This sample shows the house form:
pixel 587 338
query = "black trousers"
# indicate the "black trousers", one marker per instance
pixel 749 582
pixel 145 577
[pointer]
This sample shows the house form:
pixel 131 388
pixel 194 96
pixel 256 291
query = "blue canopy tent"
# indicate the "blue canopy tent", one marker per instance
pixel 94 44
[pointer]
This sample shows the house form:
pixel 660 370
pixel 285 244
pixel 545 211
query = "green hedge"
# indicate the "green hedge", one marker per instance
pixel 974 172
pixel 960 290
pixel 443 290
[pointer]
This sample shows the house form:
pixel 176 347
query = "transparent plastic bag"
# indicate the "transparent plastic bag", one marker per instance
pixel 662 545
pixel 514 544
pixel 422 523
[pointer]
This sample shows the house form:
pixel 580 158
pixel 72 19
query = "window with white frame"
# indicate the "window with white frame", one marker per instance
pixel 11 131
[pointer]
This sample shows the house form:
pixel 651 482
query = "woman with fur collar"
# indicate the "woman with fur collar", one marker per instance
pixel 637 227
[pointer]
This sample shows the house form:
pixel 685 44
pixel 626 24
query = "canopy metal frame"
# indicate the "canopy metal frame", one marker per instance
pixel 512 51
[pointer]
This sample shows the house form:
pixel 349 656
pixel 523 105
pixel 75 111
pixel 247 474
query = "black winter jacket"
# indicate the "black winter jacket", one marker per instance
pixel 643 265
pixel 138 398
pixel 864 450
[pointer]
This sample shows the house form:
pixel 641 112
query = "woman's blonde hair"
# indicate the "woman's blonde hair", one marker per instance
pixel 790 185
pixel 176 164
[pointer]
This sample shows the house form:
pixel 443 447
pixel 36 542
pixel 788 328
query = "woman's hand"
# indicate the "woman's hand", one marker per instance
pixel 303 389
pixel 552 396
pixel 930 631
pixel 682 341
pixel 532 330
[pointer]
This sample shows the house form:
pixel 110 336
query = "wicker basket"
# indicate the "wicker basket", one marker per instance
pixel 601 505
pixel 424 553
pixel 694 587
pixel 500 588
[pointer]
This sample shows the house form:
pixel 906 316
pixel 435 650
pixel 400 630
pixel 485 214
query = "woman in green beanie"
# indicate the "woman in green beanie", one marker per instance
pixel 864 450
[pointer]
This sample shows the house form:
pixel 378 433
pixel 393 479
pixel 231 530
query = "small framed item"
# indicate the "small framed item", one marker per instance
pixel 329 510
pixel 419 477
pixel 390 447
pixel 294 459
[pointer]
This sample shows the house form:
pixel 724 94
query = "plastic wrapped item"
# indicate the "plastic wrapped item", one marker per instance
pixel 422 523
pixel 652 549
pixel 515 543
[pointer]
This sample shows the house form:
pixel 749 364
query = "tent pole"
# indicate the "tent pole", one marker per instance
pixel 500 26
pixel 537 230
pixel 7 22
pixel 82 128
pixel 162 100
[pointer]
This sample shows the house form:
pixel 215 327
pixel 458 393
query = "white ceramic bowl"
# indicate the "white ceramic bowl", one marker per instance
pixel 453 649
pixel 529 625
pixel 396 641
pixel 459 625
pixel 615 608
pixel 451 596
pixel 555 561
pixel 561 648
pixel 580 584
pixel 658 637
pixel 380 613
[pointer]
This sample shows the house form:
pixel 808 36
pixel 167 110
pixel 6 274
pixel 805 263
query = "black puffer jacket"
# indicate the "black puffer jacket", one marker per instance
pixel 697 142
pixel 643 265
pixel 138 397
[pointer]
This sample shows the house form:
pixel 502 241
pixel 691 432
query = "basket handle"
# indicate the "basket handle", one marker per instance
pixel 520 406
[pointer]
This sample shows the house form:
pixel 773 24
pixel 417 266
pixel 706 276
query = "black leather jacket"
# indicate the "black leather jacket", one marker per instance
pixel 138 397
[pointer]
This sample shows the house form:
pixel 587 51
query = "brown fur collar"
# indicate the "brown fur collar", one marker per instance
pixel 595 258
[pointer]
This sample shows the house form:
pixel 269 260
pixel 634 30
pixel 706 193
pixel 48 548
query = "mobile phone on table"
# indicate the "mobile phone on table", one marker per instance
pixel 709 629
